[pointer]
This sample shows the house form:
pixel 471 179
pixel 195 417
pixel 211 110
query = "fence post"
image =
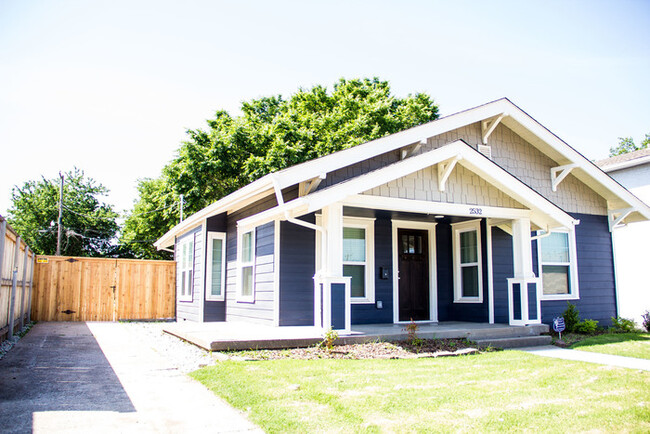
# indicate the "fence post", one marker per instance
pixel 22 291
pixel 31 284
pixel 12 299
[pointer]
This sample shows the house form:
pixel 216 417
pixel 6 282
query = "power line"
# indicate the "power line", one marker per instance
pixel 118 215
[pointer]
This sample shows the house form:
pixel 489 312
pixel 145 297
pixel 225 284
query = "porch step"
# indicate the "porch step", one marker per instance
pixel 514 342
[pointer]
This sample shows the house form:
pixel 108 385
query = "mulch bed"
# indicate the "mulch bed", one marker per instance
pixel 371 350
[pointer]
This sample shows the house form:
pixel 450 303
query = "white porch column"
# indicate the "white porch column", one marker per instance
pixel 329 280
pixel 524 287
pixel 522 249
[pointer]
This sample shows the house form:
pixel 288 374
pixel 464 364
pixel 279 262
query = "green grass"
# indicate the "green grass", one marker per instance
pixel 619 344
pixel 507 390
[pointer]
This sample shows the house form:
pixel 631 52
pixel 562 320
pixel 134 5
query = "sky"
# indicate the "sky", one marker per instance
pixel 112 86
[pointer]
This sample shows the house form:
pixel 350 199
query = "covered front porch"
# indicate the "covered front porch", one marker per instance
pixel 243 335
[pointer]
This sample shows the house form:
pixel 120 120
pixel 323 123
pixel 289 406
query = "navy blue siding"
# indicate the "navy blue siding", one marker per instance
pixel 190 310
pixel 595 273
pixel 447 309
pixel 338 306
pixel 368 313
pixel 297 269
pixel 215 310
pixel 262 309
pixel 502 269
pixel 532 301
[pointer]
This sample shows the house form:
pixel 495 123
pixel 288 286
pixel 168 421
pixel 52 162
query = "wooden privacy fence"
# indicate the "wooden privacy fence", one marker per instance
pixel 16 275
pixel 103 289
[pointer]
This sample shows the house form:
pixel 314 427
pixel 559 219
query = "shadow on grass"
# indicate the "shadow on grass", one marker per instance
pixel 612 338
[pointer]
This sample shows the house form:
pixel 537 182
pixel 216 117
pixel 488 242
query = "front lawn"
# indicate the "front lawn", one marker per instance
pixel 497 391
pixel 619 344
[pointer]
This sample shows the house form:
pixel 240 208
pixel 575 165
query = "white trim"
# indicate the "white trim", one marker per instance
pixel 276 273
pixel 572 264
pixel 240 265
pixel 211 236
pixel 204 229
pixel 183 266
pixel 457 229
pixel 367 223
pixel 490 271
pixel 559 173
pixel 430 227
pixel 625 164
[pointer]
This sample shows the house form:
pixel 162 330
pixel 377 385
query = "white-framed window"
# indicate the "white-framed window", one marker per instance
pixel 246 265
pixel 358 255
pixel 468 266
pixel 557 265
pixel 185 264
pixel 215 272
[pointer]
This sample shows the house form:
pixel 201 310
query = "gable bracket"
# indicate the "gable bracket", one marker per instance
pixel 306 187
pixel 488 126
pixel 616 216
pixel 444 170
pixel 559 173
pixel 411 149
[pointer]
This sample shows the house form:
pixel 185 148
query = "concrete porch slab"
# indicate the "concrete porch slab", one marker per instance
pixel 242 336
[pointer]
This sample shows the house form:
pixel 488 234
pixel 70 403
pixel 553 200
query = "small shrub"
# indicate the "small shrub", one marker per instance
pixel 412 338
pixel 571 317
pixel 587 326
pixel 623 325
pixel 328 339
pixel 646 321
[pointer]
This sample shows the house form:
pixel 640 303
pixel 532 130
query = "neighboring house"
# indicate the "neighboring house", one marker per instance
pixel 631 242
pixel 483 216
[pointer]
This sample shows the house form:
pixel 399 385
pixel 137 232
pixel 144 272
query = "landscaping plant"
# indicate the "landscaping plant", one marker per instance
pixel 646 321
pixel 412 337
pixel 623 325
pixel 329 338
pixel 571 317
pixel 587 326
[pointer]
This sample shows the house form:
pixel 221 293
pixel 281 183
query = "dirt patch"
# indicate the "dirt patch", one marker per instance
pixel 371 350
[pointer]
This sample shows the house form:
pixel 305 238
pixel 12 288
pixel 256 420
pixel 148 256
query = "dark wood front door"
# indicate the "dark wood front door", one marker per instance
pixel 413 248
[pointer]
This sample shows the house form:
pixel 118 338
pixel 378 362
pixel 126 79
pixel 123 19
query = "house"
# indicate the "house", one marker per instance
pixel 483 215
pixel 632 170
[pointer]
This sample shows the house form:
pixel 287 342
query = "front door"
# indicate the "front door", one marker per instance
pixel 413 275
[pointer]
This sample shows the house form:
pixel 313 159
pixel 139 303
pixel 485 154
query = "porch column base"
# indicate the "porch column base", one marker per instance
pixel 524 300
pixel 332 307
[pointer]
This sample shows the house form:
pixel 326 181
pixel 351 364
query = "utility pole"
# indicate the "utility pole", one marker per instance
pixel 182 202
pixel 60 221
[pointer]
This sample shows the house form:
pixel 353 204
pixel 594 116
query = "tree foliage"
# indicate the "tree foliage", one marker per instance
pixel 89 225
pixel 271 134
pixel 626 145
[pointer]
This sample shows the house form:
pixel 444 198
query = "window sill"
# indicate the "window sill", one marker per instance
pixel 249 300
pixel 559 297
pixel 469 300
pixel 186 299
pixel 361 301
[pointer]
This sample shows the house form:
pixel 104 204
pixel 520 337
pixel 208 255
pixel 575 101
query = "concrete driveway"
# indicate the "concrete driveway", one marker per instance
pixel 99 377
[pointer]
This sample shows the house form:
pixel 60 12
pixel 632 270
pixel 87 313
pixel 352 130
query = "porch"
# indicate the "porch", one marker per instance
pixel 242 335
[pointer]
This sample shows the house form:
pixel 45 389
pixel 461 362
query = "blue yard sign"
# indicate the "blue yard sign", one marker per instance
pixel 558 325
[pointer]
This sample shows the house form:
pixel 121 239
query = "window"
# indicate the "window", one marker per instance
pixel 558 268
pixel 185 263
pixel 468 274
pixel 358 256
pixel 215 276
pixel 246 266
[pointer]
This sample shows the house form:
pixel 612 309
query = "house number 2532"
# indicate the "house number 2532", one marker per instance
pixel 475 211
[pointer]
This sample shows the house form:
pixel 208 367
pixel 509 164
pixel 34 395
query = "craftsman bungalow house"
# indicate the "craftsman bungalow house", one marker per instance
pixel 483 216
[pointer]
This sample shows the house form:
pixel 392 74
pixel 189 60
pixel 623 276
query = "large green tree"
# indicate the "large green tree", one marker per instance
pixel 626 145
pixel 271 134
pixel 89 227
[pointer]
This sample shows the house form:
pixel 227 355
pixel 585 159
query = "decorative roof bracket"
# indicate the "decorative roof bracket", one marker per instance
pixel 488 126
pixel 411 149
pixel 444 170
pixel 559 173
pixel 616 216
pixel 306 187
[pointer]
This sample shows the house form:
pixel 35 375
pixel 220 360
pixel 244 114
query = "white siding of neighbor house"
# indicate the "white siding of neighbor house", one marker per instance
pixel 630 245
pixel 529 165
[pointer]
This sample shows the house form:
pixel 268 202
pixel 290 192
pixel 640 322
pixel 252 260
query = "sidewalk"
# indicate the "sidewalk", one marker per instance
pixel 103 378
pixel 586 356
